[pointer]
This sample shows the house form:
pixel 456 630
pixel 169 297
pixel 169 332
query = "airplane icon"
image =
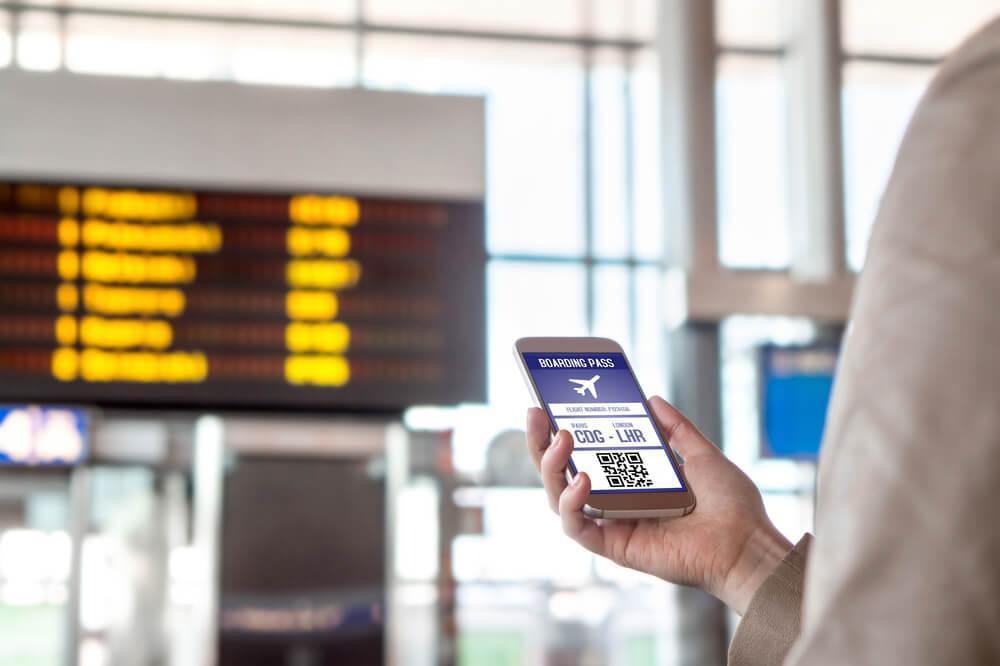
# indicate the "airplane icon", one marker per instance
pixel 586 385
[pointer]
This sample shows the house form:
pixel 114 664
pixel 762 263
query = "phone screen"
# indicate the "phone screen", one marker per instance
pixel 597 399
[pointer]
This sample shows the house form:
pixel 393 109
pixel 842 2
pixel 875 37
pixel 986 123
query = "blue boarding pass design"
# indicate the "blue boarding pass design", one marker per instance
pixel 597 399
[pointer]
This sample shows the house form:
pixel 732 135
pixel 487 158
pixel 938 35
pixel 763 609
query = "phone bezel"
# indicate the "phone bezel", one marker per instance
pixel 609 505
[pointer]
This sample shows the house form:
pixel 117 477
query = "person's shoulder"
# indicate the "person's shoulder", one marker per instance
pixel 978 53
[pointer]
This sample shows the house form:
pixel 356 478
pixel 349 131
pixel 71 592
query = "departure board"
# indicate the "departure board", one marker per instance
pixel 158 296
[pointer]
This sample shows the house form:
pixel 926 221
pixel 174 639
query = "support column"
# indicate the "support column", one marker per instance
pixel 397 471
pixel 695 384
pixel 79 517
pixel 208 472
pixel 687 53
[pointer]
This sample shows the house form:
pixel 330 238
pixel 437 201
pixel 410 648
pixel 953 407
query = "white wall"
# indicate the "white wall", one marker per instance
pixel 211 134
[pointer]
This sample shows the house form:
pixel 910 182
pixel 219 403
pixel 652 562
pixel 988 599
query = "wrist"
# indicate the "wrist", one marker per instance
pixel 762 552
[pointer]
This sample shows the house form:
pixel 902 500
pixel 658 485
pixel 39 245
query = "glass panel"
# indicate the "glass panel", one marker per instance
pixel 417 530
pixel 753 163
pixel 100 45
pixel 647 239
pixel 649 358
pixel 608 135
pixel 328 10
pixel 562 17
pixel 6 41
pixel 878 102
pixel 37 46
pixel 612 298
pixel 623 19
pixel 35 557
pixel 568 607
pixel 613 19
pixel 792 512
pixel 911 27
pixel 742 23
pixel 528 298
pixel 34 567
pixel 139 575
pixel 534 129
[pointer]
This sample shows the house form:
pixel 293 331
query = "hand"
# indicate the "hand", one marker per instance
pixel 727 545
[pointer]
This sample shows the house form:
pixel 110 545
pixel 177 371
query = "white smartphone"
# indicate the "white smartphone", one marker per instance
pixel 586 386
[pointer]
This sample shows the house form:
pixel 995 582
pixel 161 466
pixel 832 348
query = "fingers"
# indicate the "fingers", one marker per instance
pixel 553 467
pixel 550 459
pixel 538 435
pixel 681 434
pixel 576 525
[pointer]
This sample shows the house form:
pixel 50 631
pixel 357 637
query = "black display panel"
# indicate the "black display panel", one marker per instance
pixel 115 294
pixel 306 583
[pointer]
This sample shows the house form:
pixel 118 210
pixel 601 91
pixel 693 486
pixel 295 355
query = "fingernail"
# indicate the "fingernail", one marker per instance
pixel 577 480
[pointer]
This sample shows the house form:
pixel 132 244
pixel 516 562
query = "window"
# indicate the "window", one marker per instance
pixel 612 19
pixel 573 182
pixel 328 10
pixel 528 298
pixel 612 310
pixel 647 186
pixel 915 28
pixel 891 49
pixel 553 272
pixel 650 355
pixel 37 45
pixel 752 164
pixel 573 194
pixel 534 110
pixel 609 129
pixel 751 136
pixel 878 102
pixel 199 51
pixel 740 24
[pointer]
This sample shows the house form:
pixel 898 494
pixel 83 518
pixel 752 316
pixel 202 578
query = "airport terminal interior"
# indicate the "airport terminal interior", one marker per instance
pixel 262 264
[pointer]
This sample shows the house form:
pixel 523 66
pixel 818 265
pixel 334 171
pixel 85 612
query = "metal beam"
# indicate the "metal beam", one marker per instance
pixel 748 51
pixel 360 25
pixel 899 60
pixel 714 296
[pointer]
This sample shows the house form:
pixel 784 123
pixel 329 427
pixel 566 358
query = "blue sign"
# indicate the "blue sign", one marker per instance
pixel 32 435
pixel 796 383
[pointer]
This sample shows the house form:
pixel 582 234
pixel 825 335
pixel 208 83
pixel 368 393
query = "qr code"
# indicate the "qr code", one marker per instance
pixel 624 470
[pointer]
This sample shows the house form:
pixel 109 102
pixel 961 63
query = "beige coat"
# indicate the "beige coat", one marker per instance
pixel 906 565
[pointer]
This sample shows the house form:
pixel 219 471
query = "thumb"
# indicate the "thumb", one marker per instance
pixel 681 434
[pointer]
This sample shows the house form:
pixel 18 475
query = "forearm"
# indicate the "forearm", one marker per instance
pixel 762 553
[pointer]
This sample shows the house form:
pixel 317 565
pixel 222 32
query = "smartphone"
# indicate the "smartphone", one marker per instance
pixel 586 386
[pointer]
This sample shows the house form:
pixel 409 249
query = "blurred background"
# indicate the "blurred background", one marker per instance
pixel 262 264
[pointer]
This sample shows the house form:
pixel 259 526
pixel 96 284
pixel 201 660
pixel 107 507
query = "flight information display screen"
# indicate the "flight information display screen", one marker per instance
pixel 116 294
